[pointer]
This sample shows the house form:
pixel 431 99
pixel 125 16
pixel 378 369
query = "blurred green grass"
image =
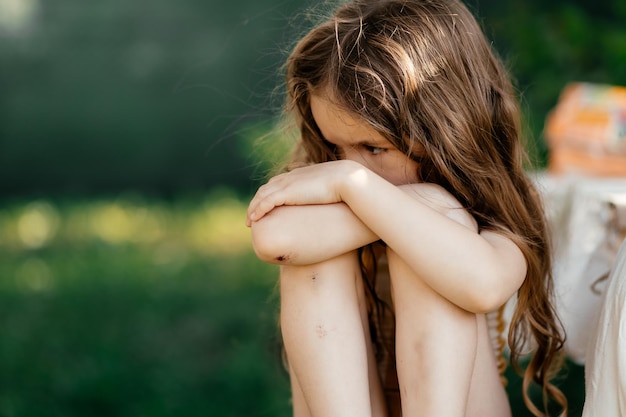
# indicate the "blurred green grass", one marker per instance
pixel 128 307
pixel 131 306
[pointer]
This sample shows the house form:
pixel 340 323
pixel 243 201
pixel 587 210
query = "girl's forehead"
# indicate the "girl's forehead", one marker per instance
pixel 342 127
pixel 339 126
pixel 326 109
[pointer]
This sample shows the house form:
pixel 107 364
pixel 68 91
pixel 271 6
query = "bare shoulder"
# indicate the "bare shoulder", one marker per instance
pixel 438 198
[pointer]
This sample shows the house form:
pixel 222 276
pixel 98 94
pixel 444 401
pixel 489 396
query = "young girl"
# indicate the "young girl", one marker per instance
pixel 408 218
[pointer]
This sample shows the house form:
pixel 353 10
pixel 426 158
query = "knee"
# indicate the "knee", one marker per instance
pixel 325 289
pixel 403 280
pixel 413 296
pixel 331 272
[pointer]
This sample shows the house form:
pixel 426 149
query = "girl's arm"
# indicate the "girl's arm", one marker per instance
pixel 477 272
pixel 308 234
pixel 304 235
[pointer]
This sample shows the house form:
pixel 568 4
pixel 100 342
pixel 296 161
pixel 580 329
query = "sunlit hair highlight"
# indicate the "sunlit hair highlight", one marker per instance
pixel 422 74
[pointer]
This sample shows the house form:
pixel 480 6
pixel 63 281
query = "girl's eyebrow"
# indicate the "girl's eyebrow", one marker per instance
pixel 371 143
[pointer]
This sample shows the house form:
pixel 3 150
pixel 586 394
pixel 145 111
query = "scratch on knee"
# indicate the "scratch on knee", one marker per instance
pixel 320 331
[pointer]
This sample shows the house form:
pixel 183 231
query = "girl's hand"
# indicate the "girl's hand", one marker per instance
pixel 313 184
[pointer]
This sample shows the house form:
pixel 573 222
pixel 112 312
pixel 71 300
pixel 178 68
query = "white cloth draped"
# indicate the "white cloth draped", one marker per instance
pixel 605 371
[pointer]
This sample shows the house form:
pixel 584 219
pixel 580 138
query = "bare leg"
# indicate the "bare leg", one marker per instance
pixel 300 407
pixel 435 346
pixel 328 348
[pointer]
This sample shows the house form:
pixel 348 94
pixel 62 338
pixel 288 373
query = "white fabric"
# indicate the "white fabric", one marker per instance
pixel 578 210
pixel 605 370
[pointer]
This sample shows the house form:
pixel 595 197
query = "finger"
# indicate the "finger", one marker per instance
pixel 262 193
pixel 266 205
pixel 251 205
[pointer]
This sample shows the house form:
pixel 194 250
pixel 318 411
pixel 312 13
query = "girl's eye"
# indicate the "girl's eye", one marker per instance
pixel 374 150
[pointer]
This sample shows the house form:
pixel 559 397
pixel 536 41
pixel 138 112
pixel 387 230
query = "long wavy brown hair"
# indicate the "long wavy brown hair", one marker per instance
pixel 422 74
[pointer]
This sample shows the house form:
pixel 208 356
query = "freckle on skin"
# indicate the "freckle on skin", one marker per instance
pixel 320 331
pixel 282 258
pixel 314 276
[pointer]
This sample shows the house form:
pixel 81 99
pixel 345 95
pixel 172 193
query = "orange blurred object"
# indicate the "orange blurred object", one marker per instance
pixel 586 131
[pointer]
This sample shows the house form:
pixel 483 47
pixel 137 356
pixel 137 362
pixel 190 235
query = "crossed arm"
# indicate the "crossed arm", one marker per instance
pixel 322 211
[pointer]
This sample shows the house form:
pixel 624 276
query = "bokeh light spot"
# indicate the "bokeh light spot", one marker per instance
pixel 37 224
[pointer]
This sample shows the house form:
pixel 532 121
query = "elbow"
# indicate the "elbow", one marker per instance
pixel 269 244
pixel 488 294
pixel 484 302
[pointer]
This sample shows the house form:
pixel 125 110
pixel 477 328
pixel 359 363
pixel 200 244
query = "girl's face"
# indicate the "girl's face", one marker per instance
pixel 356 140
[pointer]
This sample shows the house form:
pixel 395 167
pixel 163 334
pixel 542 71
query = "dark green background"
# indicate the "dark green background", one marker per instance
pixel 164 96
